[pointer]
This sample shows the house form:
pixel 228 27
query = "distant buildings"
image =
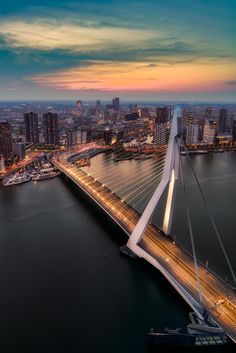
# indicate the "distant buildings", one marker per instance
pixel 51 132
pixel 71 138
pixel 107 136
pixel 2 163
pixel 98 106
pixel 162 115
pixel 5 139
pixel 234 130
pixel 209 131
pixel 79 108
pixel 223 120
pixel 192 133
pixel 18 148
pixel 31 128
pixel 161 121
pixel 160 134
pixel 81 137
pixel 116 104
pixel 131 116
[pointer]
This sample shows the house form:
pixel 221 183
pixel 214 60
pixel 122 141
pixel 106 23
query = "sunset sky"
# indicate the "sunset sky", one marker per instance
pixel 138 50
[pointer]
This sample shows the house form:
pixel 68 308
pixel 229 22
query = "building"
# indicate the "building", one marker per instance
pixel 223 120
pixel 234 130
pixel 209 131
pixel 116 104
pixel 31 128
pixel 18 148
pixel 2 163
pixel 131 116
pixel 163 115
pixel 107 136
pixel 81 137
pixel 160 134
pixel 98 106
pixel 71 138
pixel 51 132
pixel 79 107
pixel 209 113
pixel 192 134
pixel 5 139
pixel 223 138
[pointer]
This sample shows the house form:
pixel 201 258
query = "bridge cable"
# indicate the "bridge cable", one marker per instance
pixel 191 232
pixel 209 213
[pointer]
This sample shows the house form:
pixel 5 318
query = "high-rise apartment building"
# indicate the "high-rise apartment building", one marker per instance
pixel 160 134
pixel 116 104
pixel 234 130
pixel 31 128
pixel 5 139
pixel 51 131
pixel 79 108
pixel 223 120
pixel 192 134
pixel 162 115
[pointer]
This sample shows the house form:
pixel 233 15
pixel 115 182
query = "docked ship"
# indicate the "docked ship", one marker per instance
pixel 16 179
pixel 47 173
pixel 201 333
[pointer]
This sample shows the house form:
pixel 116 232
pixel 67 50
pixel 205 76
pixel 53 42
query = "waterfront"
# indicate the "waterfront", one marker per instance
pixel 57 285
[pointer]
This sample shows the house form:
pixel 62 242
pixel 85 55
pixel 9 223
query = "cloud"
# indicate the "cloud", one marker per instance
pixel 231 83
pixel 135 76
pixel 50 35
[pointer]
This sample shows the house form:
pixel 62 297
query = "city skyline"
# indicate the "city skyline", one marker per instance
pixel 142 51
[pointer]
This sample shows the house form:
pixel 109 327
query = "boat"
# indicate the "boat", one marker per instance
pixel 45 175
pixel 200 333
pixel 16 179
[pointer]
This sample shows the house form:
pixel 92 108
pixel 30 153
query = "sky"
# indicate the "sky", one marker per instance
pixel 180 50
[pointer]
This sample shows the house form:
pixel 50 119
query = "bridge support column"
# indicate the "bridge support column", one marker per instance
pixel 170 202
pixel 170 174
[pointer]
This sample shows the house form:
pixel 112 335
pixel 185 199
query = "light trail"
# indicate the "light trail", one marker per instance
pixel 173 258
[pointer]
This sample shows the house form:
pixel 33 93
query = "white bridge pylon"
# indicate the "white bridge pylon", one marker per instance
pixel 169 177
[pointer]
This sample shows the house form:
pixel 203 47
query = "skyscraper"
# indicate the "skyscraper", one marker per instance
pixel 98 105
pixel 223 120
pixel 161 121
pixel 192 133
pixel 116 104
pixel 234 130
pixel 51 132
pixel 160 134
pixel 163 115
pixel 5 139
pixel 79 107
pixel 31 127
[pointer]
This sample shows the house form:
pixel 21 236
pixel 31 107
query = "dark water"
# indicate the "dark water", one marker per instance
pixel 58 291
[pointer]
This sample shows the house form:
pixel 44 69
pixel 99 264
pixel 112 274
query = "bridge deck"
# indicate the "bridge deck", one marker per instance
pixel 171 259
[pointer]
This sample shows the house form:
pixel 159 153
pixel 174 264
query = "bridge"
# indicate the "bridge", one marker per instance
pixel 198 286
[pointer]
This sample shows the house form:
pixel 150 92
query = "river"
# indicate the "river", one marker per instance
pixel 64 285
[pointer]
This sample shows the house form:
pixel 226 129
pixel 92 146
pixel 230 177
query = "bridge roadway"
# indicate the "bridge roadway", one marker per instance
pixel 159 250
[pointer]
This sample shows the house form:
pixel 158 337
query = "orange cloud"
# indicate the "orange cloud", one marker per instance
pixel 109 76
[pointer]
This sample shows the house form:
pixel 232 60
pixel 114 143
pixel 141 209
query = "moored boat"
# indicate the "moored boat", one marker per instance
pixel 16 179
pixel 45 175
